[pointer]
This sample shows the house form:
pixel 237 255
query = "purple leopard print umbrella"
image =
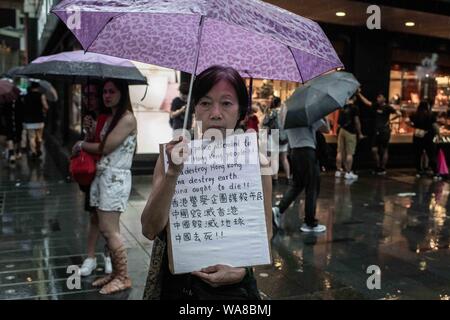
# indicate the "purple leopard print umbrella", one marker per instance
pixel 258 39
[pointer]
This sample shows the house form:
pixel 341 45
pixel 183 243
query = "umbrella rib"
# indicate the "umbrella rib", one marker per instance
pixel 298 67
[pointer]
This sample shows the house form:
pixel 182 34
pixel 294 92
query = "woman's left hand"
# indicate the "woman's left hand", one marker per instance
pixel 220 275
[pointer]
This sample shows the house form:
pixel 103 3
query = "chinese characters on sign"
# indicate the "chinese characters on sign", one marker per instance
pixel 217 212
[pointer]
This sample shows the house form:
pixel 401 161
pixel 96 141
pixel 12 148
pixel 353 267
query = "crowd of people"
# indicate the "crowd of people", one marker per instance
pixel 22 120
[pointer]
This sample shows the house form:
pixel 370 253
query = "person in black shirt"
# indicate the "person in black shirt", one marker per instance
pixel 34 113
pixel 425 129
pixel 382 130
pixel 178 109
pixel 13 113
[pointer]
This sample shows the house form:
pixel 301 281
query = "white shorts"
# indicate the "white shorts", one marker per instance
pixel 38 125
pixel 111 189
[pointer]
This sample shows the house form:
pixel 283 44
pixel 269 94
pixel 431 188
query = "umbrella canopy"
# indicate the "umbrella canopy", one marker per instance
pixel 8 91
pixel 13 72
pixel 318 98
pixel 258 39
pixel 78 67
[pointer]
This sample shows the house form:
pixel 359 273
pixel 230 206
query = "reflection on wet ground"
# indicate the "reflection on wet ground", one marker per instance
pixel 397 222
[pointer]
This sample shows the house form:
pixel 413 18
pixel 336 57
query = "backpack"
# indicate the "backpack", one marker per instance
pixel 273 122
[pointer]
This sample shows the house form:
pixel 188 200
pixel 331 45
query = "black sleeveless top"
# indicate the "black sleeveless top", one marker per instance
pixel 34 109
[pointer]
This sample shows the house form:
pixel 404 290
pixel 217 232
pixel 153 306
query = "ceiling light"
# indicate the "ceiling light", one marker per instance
pixel 410 24
pixel 341 14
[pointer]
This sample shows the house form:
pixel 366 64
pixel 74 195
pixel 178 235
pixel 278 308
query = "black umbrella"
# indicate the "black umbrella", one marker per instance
pixel 318 98
pixel 80 67
pixel 13 72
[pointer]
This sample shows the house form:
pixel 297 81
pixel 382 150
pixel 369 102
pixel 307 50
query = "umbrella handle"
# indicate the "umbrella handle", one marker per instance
pixel 250 93
pixel 197 53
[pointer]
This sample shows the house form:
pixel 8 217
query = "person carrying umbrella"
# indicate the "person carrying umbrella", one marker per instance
pixel 11 107
pixel 220 101
pixel 307 108
pixel 306 175
pixel 35 108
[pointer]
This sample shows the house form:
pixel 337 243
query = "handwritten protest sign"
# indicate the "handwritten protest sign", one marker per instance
pixel 217 212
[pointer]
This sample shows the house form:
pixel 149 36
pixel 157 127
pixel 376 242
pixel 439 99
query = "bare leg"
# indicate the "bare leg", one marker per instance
pixel 109 227
pixel 275 161
pixel 285 162
pixel 385 158
pixel 32 140
pixel 376 156
pixel 109 223
pixel 349 162
pixel 424 160
pixel 339 161
pixel 93 235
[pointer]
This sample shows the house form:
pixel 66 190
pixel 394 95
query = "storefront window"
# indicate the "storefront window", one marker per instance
pixel 443 92
pixel 406 90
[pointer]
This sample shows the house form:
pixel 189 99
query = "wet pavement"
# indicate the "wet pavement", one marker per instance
pixel 43 230
pixel 397 222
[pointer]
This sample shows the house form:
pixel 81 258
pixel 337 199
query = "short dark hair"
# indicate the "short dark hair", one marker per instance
pixel 276 102
pixel 34 85
pixel 214 74
pixel 184 88
pixel 424 106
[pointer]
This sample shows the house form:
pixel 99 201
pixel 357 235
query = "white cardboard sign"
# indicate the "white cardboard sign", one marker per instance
pixel 217 213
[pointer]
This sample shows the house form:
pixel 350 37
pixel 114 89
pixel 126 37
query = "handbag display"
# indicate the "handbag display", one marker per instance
pixel 82 168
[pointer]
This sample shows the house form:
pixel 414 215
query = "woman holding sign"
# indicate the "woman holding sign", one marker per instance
pixel 220 101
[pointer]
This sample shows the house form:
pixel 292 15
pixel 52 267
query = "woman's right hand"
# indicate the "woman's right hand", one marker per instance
pixel 177 152
pixel 76 148
pixel 89 125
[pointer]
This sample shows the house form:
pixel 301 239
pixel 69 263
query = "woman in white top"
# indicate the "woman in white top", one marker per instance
pixel 111 187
